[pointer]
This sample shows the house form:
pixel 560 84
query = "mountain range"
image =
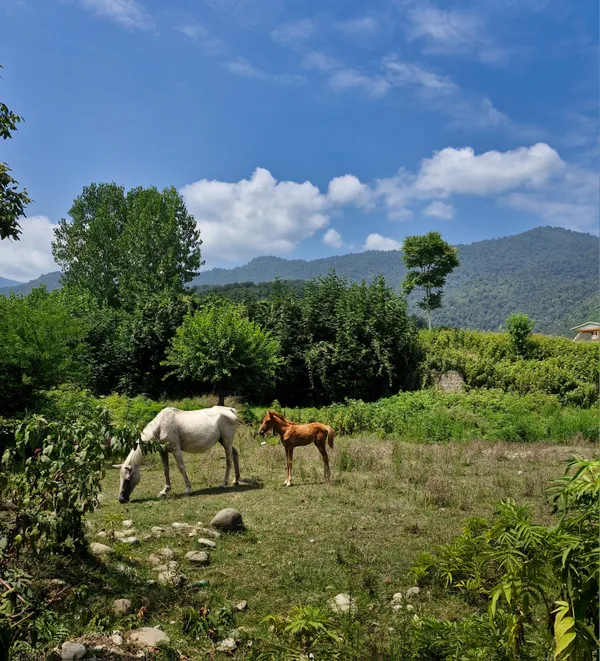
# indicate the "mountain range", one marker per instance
pixel 550 273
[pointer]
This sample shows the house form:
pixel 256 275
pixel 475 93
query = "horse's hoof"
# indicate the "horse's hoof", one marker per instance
pixel 162 494
pixel 287 484
pixel 236 484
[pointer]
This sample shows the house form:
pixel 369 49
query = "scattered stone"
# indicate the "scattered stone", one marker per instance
pixel 121 606
pixel 58 581
pixel 207 542
pixel 209 533
pixel 227 645
pixel 167 553
pixel 172 564
pixel 342 603
pixel 241 606
pixel 119 534
pixel 132 541
pixel 100 549
pixel 412 592
pixel 180 526
pixel 72 651
pixel 228 520
pixel 199 584
pixel 172 578
pixel 410 607
pixel 150 582
pixel 198 557
pixel 158 531
pixel 148 637
pixel 397 601
pixel 128 523
pixel 154 559
pixel 146 537
pixel 117 639
pixel 102 533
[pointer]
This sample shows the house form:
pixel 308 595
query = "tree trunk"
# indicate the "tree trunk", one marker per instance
pixel 429 318
pixel 221 397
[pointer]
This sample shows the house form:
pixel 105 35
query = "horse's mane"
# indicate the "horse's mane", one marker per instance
pixel 280 416
pixel 134 458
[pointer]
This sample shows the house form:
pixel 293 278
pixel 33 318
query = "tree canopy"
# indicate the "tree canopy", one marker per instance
pixel 220 346
pixel 430 260
pixel 124 247
pixel 12 200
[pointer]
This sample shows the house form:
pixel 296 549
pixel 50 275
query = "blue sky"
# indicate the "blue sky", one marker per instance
pixel 305 129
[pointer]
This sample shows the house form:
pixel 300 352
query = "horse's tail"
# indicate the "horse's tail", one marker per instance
pixel 330 435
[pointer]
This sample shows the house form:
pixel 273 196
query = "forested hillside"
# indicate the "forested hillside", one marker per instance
pixel 549 273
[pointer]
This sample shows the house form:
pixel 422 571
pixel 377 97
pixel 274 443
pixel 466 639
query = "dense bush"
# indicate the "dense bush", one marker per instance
pixel 556 366
pixel 430 416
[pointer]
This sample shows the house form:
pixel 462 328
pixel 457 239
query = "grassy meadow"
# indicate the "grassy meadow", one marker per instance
pixel 388 502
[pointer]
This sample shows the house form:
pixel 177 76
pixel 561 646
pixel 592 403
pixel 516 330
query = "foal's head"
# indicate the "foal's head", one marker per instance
pixel 270 420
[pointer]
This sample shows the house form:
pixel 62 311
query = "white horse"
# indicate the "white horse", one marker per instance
pixel 178 432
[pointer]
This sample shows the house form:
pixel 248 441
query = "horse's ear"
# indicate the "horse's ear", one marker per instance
pixel 117 465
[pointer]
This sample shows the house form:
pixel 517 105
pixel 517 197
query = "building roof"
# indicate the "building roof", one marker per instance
pixel 589 325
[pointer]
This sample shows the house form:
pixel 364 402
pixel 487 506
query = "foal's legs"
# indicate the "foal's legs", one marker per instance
pixel 236 466
pixel 289 457
pixel 179 459
pixel 164 455
pixel 231 454
pixel 228 460
pixel 322 449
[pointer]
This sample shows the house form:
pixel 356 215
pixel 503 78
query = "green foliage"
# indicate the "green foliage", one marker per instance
pixel 433 416
pixel 519 328
pixel 40 347
pixel 122 248
pixel 518 567
pixel 53 476
pixel 220 346
pixel 432 260
pixel 556 366
pixel 12 200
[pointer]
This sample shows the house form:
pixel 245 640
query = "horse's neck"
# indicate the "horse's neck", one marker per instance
pixel 280 426
pixel 134 458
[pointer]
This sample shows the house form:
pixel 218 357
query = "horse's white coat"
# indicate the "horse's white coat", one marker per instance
pixel 183 431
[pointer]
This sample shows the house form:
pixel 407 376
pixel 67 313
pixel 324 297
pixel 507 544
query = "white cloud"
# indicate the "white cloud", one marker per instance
pixel 461 171
pixel 244 68
pixel 453 32
pixel 32 255
pixel 405 73
pixel 294 32
pixel 571 201
pixel 259 216
pixel 439 209
pixel 364 27
pixel 129 14
pixel 377 242
pixel 333 239
pixel 349 78
pixel 348 189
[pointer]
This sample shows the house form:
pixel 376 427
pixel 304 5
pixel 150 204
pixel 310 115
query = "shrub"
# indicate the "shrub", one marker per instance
pixel 519 328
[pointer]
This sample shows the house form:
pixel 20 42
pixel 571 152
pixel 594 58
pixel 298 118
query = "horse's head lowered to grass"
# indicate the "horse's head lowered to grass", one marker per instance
pixel 130 474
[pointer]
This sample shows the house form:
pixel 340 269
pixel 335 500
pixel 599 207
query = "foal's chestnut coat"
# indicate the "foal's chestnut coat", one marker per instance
pixel 294 435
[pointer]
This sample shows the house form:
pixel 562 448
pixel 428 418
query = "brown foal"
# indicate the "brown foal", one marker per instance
pixel 293 435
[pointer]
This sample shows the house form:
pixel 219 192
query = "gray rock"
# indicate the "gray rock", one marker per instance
pixel 207 542
pixel 162 567
pixel 102 533
pixel 128 523
pixel 228 520
pixel 117 639
pixel 342 603
pixel 72 651
pixel 132 541
pixel 198 557
pixel 158 531
pixel 180 526
pixel 241 606
pixel 227 645
pixel 172 578
pixel 167 553
pixel 100 549
pixel 154 559
pixel 121 606
pixel 412 592
pixel 208 532
pixel 148 637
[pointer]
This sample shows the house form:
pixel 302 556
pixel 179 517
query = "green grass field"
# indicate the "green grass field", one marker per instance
pixel 388 501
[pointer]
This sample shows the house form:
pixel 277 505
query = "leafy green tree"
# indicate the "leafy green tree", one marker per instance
pixel 519 328
pixel 430 260
pixel 12 200
pixel 40 346
pixel 123 248
pixel 220 346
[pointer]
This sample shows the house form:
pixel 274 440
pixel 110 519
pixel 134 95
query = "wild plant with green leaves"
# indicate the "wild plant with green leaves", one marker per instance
pixel 523 569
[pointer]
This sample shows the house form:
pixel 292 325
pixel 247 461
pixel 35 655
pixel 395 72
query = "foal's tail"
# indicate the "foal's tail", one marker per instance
pixel 330 435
